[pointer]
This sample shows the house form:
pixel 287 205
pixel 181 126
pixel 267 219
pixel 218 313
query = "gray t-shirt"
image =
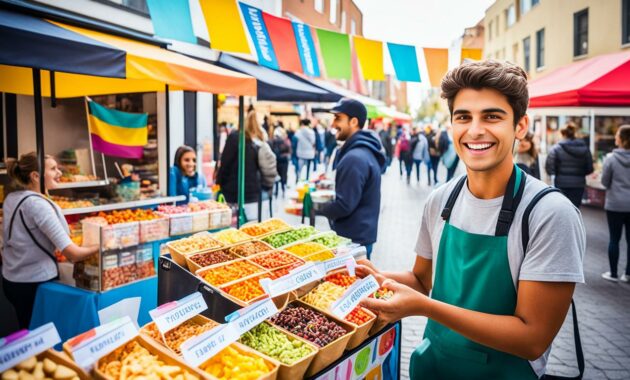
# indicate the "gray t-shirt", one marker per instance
pixel 22 260
pixel 557 239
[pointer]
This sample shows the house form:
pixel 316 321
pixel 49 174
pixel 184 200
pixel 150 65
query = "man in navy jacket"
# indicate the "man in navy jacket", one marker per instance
pixel 359 164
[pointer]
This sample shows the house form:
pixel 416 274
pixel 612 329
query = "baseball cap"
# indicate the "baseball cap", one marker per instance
pixel 352 108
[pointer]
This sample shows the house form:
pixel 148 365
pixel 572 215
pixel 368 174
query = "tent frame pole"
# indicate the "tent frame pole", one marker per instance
pixel 39 127
pixel 242 218
pixel 168 137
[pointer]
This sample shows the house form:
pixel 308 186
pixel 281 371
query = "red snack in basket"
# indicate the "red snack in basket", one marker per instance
pixel 211 258
pixel 246 290
pixel 230 272
pixel 283 271
pixel 358 316
pixel 341 279
pixel 275 259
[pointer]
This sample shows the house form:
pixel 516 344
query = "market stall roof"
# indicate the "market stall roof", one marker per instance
pixel 599 81
pixel 393 114
pixel 148 68
pixel 29 41
pixel 276 85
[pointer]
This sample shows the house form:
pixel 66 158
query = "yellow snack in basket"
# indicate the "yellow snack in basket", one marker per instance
pixel 324 295
pixel 325 255
pixel 235 365
pixel 195 243
pixel 231 236
pixel 306 249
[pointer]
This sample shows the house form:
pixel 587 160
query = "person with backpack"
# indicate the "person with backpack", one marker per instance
pixel 420 152
pixel 282 149
pixel 570 161
pixel 616 180
pixel 34 227
pixel 305 140
pixel 404 153
pixel 498 253
pixel 434 152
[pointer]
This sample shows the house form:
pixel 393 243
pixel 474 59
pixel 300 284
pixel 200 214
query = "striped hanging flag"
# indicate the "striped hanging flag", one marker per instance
pixel 117 133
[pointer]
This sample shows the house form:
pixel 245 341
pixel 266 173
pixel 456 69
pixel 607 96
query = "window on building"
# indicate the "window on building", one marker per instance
pixel 510 16
pixel 526 53
pixel 540 48
pixel 319 6
pixel 526 5
pixel 333 12
pixel 625 22
pixel 136 5
pixel 353 27
pixel 497 28
pixel 490 24
pixel 580 33
pixel 535 2
pixel 343 22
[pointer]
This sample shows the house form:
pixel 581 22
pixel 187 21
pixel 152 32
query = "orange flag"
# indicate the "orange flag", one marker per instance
pixel 437 64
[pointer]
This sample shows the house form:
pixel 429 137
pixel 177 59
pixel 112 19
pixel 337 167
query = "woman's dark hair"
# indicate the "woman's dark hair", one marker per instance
pixel 179 153
pixel 20 170
pixel 624 136
pixel 569 130
pixel 504 77
pixel 532 151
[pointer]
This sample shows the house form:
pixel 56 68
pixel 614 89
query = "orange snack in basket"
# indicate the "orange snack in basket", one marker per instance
pixel 341 279
pixel 283 271
pixel 246 290
pixel 275 259
pixel 177 336
pixel 230 272
pixel 358 316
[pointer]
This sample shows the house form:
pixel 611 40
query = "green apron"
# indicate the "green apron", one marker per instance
pixel 472 272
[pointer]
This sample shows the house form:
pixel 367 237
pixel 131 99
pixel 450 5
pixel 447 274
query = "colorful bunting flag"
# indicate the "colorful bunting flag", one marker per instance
pixel 335 48
pixel 437 64
pixel 117 133
pixel 283 40
pixel 171 19
pixel 370 54
pixel 260 36
pixel 473 54
pixel 405 62
pixel 306 49
pixel 224 26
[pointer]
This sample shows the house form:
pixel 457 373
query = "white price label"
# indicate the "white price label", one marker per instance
pixel 24 344
pixel 353 296
pixel 90 346
pixel 200 349
pixel 249 317
pixel 173 314
pixel 337 262
pixel 294 280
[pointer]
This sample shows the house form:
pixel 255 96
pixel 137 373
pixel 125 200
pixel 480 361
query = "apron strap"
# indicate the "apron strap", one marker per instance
pixel 446 212
pixel 511 200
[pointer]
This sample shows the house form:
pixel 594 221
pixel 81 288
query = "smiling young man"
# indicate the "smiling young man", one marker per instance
pixel 494 308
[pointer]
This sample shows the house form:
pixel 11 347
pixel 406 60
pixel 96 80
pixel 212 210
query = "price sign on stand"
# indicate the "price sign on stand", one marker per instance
pixel 24 344
pixel 172 314
pixel 338 262
pixel 351 298
pixel 294 280
pixel 90 346
pixel 249 317
pixel 200 349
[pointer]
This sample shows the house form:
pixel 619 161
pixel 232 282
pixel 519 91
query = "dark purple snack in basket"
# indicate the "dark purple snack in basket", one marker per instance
pixel 309 324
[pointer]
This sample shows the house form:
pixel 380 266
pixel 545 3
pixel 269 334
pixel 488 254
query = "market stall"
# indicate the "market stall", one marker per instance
pixel 590 93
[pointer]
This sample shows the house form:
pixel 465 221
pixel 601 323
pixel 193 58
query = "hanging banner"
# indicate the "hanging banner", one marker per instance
pixel 405 62
pixel 283 40
pixel 335 48
pixel 437 64
pixel 171 19
pixel 471 54
pixel 306 49
pixel 370 54
pixel 225 27
pixel 260 36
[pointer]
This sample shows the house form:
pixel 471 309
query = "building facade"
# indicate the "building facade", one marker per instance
pixel 542 35
pixel 339 15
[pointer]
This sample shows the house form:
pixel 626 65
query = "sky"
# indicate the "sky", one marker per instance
pixel 423 23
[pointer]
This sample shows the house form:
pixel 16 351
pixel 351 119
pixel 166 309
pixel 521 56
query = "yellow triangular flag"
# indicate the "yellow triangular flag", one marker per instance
pixel 225 26
pixel 370 54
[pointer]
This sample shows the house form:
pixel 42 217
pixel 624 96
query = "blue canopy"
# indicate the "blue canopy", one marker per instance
pixel 278 86
pixel 29 41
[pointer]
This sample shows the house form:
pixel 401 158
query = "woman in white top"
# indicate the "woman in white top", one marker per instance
pixel 33 228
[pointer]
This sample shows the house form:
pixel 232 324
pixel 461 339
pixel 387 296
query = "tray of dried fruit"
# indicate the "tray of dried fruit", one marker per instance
pixel 173 339
pixel 200 242
pixel 263 229
pixel 221 255
pixel 49 364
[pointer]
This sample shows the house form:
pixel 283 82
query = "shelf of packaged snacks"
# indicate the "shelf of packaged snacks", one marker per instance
pixel 78 185
pixel 123 205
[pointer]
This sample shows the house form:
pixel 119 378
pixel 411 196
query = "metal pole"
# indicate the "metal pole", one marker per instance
pixel 168 139
pixel 242 218
pixel 53 94
pixel 39 127
pixel 215 127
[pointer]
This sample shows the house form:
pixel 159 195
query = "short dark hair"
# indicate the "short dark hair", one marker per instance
pixel 569 130
pixel 504 77
pixel 305 122
pixel 624 135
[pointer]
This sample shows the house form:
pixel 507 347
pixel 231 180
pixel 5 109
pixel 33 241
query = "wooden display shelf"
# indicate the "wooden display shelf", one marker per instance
pixel 123 205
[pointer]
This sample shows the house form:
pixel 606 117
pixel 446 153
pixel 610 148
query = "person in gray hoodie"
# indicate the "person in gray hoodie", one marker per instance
pixel 305 149
pixel 616 179
pixel 570 162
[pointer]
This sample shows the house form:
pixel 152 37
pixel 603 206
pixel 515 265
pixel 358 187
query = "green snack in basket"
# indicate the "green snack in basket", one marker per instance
pixel 273 342
pixel 330 240
pixel 284 238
